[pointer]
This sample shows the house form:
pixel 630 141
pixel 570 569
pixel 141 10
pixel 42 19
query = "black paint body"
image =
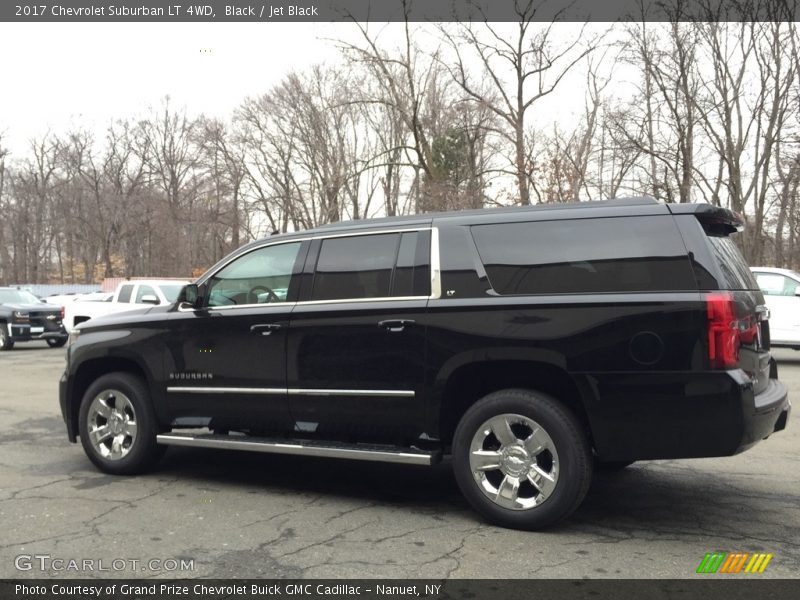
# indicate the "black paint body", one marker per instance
pixel 632 364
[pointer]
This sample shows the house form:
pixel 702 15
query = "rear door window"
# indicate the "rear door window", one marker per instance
pixel 616 254
pixel 355 267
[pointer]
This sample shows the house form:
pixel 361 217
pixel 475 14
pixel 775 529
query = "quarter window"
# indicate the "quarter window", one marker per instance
pixel 355 267
pixel 259 277
pixel 627 254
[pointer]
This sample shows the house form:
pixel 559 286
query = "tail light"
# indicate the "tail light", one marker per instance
pixel 723 331
pixel 726 333
pixel 61 313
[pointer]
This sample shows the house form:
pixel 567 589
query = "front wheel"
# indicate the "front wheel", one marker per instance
pixel 56 342
pixel 612 465
pixel 6 343
pixel 521 459
pixel 117 425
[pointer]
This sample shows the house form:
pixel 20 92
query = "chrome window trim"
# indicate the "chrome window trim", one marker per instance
pixel 290 391
pixel 435 267
pixel 359 300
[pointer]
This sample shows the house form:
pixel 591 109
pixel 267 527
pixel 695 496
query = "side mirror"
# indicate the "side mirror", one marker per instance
pixel 189 295
pixel 797 291
pixel 150 299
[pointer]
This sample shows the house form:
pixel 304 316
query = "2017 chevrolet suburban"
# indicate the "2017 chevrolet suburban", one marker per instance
pixel 528 343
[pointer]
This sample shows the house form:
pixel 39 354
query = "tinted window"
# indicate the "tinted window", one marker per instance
pixel 259 277
pixel 732 264
pixel 625 254
pixel 125 293
pixel 355 267
pixel 422 266
pixel 412 274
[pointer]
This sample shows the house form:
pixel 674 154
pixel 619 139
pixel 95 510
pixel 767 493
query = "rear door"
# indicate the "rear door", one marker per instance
pixel 357 337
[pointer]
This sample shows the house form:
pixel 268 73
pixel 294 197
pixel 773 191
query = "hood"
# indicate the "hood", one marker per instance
pixel 120 318
pixel 28 308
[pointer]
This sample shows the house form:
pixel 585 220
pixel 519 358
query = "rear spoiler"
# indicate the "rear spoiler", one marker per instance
pixel 714 219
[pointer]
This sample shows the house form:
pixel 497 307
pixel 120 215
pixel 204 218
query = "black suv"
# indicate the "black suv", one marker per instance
pixel 529 343
pixel 23 318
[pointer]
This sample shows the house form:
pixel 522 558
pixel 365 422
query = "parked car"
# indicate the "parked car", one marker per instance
pixel 23 317
pixel 64 299
pixel 129 295
pixel 781 289
pixel 525 342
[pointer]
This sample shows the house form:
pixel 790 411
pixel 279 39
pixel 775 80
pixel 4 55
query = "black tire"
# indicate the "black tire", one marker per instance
pixel 6 343
pixel 612 465
pixel 142 452
pixel 572 460
pixel 56 342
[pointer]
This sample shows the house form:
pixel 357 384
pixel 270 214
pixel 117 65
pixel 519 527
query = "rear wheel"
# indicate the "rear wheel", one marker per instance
pixel 6 343
pixel 117 425
pixel 521 459
pixel 56 342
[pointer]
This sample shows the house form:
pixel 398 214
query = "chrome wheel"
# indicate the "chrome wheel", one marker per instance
pixel 111 424
pixel 514 461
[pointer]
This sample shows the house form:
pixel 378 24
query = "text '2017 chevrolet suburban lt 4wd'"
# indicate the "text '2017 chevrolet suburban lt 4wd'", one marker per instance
pixel 528 343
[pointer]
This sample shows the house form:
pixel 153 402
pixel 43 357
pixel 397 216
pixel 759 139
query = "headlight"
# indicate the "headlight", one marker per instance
pixel 20 317
pixel 73 336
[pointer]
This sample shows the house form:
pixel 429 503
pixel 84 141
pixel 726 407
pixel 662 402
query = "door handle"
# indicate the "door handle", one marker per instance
pixel 395 325
pixel 265 328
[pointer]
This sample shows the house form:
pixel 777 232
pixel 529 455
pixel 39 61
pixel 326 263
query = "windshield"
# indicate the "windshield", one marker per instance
pixel 171 291
pixel 17 297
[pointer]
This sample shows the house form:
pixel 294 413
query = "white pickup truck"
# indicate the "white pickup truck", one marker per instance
pixel 129 295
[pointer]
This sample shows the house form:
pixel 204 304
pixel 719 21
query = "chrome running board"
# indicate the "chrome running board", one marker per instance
pixel 372 452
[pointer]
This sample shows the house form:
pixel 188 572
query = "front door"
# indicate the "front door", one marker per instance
pixel 226 365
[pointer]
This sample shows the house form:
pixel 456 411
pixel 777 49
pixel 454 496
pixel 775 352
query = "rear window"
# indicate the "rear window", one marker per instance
pixel 125 293
pixel 732 265
pixel 616 254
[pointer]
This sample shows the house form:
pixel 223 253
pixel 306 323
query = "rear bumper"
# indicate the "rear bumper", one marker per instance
pixel 684 415
pixel 764 414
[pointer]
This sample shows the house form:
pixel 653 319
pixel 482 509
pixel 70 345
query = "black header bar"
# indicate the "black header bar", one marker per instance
pixel 149 11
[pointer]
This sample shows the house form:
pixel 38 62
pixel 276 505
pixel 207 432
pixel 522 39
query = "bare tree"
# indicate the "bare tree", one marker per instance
pixel 519 72
pixel 743 108
pixel 5 209
pixel 665 128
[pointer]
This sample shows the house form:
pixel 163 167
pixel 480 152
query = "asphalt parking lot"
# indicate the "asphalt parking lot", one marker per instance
pixel 254 515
